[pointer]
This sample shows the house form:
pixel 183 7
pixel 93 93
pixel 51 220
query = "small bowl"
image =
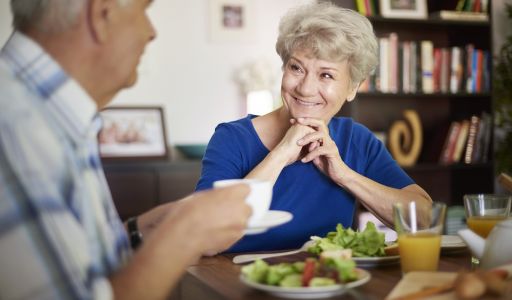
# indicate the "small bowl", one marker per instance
pixel 192 151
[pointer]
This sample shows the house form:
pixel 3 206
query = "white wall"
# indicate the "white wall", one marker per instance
pixel 5 21
pixel 186 73
pixel 192 77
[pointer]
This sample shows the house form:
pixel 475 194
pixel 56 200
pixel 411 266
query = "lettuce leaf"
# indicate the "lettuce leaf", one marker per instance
pixel 369 242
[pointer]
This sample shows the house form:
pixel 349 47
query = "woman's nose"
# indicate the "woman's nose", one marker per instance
pixel 307 86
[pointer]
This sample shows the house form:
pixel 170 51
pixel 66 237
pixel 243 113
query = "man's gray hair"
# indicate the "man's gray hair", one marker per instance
pixel 49 16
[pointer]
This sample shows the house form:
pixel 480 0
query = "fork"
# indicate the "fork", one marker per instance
pixel 239 259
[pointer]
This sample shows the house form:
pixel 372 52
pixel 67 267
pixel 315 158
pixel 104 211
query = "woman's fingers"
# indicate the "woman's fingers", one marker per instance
pixel 316 136
pixel 315 123
pixel 328 151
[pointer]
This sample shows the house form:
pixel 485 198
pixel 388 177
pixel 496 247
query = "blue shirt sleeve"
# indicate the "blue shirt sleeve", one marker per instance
pixel 222 159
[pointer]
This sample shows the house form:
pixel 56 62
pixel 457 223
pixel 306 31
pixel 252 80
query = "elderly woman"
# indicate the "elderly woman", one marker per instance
pixel 320 164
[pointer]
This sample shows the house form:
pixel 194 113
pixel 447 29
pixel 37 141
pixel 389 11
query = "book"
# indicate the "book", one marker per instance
pixel 457 70
pixel 384 65
pixel 460 141
pixel 415 67
pixel 482 140
pixel 406 67
pixel 473 129
pixel 460 15
pixel 449 143
pixel 436 74
pixel 445 70
pixel 427 66
pixel 469 76
pixel 361 8
pixel 393 63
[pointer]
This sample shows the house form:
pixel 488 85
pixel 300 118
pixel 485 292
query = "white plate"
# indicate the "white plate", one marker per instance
pixel 309 292
pixel 377 261
pixel 271 219
pixel 452 241
pixel 452 244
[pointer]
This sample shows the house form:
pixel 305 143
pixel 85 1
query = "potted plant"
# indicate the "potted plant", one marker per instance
pixel 503 104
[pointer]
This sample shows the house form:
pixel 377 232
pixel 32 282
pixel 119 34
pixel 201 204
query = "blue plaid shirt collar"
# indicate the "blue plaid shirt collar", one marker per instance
pixel 69 104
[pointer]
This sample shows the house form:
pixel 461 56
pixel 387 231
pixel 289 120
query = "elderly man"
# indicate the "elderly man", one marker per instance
pixel 61 236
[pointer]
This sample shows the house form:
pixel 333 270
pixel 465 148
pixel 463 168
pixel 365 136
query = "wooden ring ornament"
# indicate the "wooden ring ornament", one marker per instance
pixel 406 139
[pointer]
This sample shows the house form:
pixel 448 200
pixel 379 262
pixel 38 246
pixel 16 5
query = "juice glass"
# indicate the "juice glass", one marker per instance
pixel 483 211
pixel 419 230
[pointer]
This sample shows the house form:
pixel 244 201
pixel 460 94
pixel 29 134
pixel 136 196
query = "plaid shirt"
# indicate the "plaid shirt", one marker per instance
pixel 60 234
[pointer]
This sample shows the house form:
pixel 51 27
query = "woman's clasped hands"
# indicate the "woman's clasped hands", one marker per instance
pixel 317 146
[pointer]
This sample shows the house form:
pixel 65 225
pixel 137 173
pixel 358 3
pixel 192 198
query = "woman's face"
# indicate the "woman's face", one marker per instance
pixel 315 88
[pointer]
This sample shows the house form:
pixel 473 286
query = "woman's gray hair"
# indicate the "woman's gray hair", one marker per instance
pixel 331 33
pixel 49 16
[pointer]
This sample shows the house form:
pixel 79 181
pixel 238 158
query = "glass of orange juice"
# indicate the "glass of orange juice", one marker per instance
pixel 483 211
pixel 419 229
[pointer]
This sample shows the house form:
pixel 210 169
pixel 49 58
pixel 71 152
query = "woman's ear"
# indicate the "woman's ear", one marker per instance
pixel 99 14
pixel 352 94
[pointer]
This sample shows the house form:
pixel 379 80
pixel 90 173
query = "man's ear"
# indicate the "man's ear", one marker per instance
pixel 100 13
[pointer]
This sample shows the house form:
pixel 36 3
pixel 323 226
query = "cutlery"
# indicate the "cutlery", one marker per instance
pixel 239 259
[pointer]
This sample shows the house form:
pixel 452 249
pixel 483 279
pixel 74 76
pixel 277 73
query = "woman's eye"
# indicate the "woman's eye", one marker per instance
pixel 295 67
pixel 327 75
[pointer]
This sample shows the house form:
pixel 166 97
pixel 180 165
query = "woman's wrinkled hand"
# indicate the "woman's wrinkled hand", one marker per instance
pixel 289 146
pixel 322 150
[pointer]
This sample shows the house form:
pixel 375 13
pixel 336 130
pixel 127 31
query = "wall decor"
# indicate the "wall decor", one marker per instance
pixel 133 133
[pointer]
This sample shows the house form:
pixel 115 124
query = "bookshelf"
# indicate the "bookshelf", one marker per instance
pixel 437 110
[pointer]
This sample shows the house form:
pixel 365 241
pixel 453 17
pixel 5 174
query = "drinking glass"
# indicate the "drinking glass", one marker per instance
pixel 483 211
pixel 419 230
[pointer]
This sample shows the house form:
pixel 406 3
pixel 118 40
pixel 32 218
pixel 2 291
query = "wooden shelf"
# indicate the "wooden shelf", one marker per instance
pixel 484 96
pixel 455 167
pixel 378 111
pixel 430 22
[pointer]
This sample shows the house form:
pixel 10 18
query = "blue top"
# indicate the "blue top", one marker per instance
pixel 316 202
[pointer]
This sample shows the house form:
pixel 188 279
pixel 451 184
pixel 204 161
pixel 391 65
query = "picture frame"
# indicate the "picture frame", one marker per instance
pixel 403 9
pixel 133 133
pixel 231 21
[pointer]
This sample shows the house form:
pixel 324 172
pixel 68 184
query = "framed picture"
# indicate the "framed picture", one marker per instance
pixel 133 133
pixel 405 9
pixel 231 21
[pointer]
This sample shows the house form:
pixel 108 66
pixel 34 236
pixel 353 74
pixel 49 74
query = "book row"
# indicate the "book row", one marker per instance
pixel 467 141
pixel 420 67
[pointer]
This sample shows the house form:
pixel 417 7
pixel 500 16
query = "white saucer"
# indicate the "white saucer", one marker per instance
pixel 271 219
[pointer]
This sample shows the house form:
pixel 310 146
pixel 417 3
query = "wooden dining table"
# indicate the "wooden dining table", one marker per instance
pixel 218 278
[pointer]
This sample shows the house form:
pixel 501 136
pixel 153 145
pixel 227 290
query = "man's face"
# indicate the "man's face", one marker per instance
pixel 131 32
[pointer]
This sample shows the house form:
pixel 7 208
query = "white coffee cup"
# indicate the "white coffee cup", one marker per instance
pixel 259 197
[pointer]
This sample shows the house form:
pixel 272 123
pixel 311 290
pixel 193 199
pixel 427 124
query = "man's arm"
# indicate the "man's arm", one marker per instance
pixel 206 222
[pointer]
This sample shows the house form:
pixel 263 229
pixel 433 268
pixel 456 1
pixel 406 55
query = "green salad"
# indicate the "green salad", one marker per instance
pixel 368 242
pixel 333 267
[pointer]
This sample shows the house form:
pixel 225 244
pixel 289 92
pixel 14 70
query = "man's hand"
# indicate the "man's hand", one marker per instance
pixel 210 221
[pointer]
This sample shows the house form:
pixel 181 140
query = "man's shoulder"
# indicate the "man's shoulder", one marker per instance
pixel 15 96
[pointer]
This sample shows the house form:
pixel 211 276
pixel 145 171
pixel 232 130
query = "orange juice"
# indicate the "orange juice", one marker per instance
pixel 483 225
pixel 419 252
